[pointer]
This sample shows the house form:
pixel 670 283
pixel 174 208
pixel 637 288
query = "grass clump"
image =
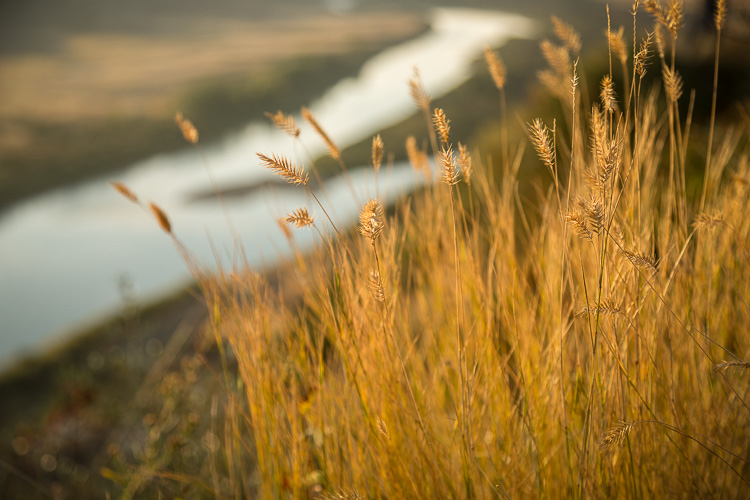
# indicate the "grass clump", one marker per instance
pixel 471 343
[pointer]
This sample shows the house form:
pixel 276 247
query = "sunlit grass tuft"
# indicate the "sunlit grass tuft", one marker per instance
pixel 475 344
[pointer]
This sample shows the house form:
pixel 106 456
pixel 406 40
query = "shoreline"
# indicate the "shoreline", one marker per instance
pixel 43 153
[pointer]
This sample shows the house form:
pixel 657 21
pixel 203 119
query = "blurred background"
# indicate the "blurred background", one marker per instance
pixel 89 92
pixel 90 88
pixel 91 292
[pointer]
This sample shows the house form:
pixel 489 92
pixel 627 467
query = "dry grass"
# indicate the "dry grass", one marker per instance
pixel 591 343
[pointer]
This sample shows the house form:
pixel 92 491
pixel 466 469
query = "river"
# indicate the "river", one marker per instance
pixel 63 253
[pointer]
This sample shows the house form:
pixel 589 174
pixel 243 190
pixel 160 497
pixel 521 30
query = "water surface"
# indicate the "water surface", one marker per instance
pixel 63 253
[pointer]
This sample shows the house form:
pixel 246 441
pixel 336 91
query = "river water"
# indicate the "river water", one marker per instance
pixel 62 254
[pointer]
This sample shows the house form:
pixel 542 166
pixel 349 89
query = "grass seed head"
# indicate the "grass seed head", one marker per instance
pixel 736 365
pixel 674 17
pixel 448 162
pixel 284 122
pixel 285 169
pixel 654 8
pixel 371 220
pixel 417 157
pixel 578 222
pixel 609 156
pixel 707 221
pixel 558 57
pixel 606 308
pixel 659 39
pixel 342 494
pixel 442 125
pixel 125 191
pixel 285 228
pixel 189 131
pixel 375 284
pixel 594 211
pixel 672 84
pixel 616 435
pixel 607 94
pixel 720 15
pixel 641 58
pixel 641 260
pixel 377 152
pixel 552 82
pixel 418 93
pixel 567 35
pixel 617 42
pixel 542 143
pixel 332 148
pixel 161 218
pixel 574 84
pixel 496 67
pixel 464 162
pixel 300 218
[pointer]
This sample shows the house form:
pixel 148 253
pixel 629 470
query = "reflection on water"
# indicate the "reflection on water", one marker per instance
pixel 63 253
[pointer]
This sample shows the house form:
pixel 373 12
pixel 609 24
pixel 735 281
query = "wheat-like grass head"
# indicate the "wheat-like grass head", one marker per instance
pixel 371 220
pixel 293 174
pixel 189 132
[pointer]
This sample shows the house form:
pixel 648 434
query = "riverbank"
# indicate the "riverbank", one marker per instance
pixel 101 101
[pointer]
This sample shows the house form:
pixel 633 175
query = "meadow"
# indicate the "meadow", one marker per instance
pixel 582 336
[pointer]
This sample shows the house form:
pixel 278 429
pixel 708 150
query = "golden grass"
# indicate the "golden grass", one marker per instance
pixel 284 122
pixel 588 343
pixel 189 132
pixel 496 68
pixel 332 148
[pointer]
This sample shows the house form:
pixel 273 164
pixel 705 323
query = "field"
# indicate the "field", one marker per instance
pixel 92 101
pixel 558 315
